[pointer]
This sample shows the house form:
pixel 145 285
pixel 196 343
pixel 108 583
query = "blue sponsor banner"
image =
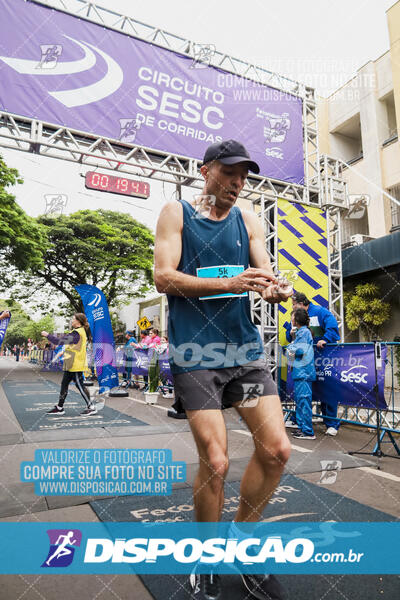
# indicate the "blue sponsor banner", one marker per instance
pixel 96 310
pixel 346 375
pixel 140 361
pixel 141 358
pixel 3 327
pixel 165 367
pixel 172 548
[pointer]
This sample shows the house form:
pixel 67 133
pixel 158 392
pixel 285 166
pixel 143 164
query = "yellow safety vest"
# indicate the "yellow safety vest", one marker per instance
pixel 75 354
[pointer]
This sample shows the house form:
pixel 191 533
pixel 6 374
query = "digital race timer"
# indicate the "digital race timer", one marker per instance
pixel 116 185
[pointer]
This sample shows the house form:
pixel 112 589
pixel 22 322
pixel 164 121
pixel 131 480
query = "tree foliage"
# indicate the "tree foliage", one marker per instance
pixel 365 309
pixel 104 248
pixel 19 321
pixel 22 326
pixel 22 239
pixel 34 328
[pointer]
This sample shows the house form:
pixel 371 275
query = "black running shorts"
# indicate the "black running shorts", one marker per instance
pixel 206 389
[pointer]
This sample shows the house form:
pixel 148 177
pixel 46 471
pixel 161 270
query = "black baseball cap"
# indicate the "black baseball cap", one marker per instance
pixel 230 152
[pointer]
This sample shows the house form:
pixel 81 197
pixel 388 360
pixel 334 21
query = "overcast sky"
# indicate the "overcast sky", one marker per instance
pixel 300 38
pixel 322 42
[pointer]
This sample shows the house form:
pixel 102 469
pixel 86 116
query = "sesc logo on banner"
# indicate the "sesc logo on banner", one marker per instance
pixel 355 376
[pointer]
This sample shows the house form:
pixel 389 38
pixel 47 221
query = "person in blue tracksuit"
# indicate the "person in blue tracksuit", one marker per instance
pixel 301 357
pixel 325 330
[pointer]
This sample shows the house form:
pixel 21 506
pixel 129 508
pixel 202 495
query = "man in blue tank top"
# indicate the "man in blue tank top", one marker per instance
pixel 208 255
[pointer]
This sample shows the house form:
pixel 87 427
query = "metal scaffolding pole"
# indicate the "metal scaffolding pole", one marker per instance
pixel 265 315
pixel 334 198
pixel 30 135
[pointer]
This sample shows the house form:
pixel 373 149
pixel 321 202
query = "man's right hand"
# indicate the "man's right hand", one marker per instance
pixel 251 280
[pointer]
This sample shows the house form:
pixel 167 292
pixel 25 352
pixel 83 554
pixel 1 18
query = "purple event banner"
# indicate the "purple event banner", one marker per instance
pixel 139 360
pixel 67 71
pixel 346 375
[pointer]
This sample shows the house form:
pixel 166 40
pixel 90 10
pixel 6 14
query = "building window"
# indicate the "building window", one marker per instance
pixel 388 122
pixel 395 208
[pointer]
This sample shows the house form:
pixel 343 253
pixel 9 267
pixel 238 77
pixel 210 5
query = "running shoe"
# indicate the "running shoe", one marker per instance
pixel 293 433
pixel 176 415
pixel 331 431
pixel 291 424
pixel 88 412
pixel 303 436
pixel 56 411
pixel 263 587
pixel 205 587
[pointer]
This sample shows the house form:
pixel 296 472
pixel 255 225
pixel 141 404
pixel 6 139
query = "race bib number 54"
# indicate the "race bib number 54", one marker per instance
pixel 221 271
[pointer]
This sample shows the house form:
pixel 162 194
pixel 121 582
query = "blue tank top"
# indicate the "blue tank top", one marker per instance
pixel 215 332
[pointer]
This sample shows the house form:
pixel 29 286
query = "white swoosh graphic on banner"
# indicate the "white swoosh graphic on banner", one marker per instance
pixel 30 67
pixel 96 300
pixel 111 81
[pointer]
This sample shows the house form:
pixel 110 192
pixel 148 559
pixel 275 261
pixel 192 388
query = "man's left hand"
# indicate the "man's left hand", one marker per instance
pixel 321 344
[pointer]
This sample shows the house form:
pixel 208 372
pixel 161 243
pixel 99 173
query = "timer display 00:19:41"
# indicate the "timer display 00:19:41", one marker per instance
pixel 116 185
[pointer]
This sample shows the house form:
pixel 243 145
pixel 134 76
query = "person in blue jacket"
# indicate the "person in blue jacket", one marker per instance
pixel 301 357
pixel 325 330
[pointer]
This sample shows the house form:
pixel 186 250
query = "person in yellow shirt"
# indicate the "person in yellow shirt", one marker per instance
pixel 75 363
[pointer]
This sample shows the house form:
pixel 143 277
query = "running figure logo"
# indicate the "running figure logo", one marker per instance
pixel 62 547
pixel 55 203
pixel 129 129
pixel 277 127
pixel 50 55
pixel 202 55
pixel 203 204
pixel 329 471
pixel 251 394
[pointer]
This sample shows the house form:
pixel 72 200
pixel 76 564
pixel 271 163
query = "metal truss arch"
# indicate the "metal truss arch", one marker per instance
pixel 97 152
